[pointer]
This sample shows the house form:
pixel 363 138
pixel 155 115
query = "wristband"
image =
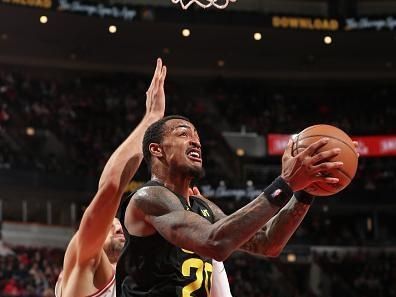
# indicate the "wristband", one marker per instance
pixel 279 192
pixel 304 197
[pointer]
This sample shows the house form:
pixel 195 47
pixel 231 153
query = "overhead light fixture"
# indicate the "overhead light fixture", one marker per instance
pixel 43 19
pixel 328 40
pixel 291 258
pixel 186 32
pixel 257 36
pixel 240 152
pixel 30 131
pixel 112 29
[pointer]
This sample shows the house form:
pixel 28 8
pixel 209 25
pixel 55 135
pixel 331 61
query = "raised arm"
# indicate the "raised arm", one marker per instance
pixel 118 171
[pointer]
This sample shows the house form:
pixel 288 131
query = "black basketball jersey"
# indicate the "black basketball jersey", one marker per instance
pixel 153 267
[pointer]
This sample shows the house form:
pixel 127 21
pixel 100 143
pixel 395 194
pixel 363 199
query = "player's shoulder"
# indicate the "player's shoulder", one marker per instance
pixel 155 200
pixel 216 211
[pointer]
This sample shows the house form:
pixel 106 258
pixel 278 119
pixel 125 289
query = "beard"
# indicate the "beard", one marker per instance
pixel 113 249
pixel 195 172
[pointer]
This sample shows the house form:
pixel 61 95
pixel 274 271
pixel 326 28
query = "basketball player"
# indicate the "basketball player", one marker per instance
pixel 172 237
pixel 92 254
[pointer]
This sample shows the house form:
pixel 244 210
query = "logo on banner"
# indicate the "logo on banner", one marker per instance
pixel 366 24
pixel 97 9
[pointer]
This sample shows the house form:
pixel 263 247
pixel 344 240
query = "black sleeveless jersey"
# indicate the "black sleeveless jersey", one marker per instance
pixel 153 267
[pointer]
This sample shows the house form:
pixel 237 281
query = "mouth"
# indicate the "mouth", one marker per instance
pixel 119 237
pixel 194 155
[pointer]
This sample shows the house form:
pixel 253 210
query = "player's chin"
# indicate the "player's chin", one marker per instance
pixel 197 171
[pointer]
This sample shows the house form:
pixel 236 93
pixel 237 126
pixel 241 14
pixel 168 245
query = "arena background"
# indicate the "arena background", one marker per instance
pixel 248 77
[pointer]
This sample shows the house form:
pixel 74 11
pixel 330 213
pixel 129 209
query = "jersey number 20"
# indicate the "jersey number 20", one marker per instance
pixel 201 267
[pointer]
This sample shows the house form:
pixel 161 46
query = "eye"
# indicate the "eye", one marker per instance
pixel 184 134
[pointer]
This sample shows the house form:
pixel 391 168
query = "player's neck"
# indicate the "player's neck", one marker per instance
pixel 177 183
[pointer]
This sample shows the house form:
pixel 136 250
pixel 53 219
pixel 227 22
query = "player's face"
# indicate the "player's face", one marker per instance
pixel 115 239
pixel 182 147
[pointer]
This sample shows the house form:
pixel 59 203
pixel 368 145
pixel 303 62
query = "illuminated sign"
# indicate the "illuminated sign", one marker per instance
pixel 366 24
pixel 97 9
pixel 305 23
pixel 31 3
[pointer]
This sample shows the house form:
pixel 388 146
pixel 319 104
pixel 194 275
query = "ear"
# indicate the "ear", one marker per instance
pixel 156 150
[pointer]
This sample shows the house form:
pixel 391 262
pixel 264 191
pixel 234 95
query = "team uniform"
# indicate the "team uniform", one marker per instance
pixel 221 286
pixel 153 267
pixel 108 291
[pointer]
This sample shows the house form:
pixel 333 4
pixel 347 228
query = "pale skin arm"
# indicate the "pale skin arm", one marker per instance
pixel 119 169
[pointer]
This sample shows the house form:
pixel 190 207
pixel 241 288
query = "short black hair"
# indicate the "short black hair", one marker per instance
pixel 155 133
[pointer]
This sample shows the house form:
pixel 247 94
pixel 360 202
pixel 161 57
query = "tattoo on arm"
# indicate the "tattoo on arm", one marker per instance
pixel 272 238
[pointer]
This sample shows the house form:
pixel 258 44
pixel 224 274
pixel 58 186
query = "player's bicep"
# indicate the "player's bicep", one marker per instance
pixel 165 213
pixel 184 229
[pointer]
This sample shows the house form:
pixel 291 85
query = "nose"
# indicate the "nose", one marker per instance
pixel 195 143
pixel 118 229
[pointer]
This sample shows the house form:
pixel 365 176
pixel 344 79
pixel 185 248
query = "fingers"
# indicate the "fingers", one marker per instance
pixel 326 155
pixel 190 192
pixel 326 166
pixel 156 76
pixel 327 179
pixel 356 144
pixel 289 148
pixel 196 191
pixel 310 150
pixel 163 75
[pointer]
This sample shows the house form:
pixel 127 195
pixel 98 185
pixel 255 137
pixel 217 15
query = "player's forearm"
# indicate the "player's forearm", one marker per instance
pixel 232 231
pixel 126 159
pixel 273 237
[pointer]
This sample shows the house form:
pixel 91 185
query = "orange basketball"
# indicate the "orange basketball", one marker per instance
pixel 338 139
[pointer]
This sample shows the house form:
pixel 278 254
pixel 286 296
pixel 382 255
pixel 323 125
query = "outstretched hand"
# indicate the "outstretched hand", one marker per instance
pixel 155 95
pixel 305 168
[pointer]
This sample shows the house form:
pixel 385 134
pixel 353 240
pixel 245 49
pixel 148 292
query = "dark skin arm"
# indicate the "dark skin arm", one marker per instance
pixel 163 210
pixel 270 240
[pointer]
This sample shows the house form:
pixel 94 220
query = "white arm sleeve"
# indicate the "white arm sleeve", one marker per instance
pixel 220 285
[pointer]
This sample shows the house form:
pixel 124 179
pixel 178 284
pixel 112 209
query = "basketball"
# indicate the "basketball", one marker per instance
pixel 337 139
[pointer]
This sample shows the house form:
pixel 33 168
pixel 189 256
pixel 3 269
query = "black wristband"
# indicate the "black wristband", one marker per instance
pixel 279 192
pixel 304 197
